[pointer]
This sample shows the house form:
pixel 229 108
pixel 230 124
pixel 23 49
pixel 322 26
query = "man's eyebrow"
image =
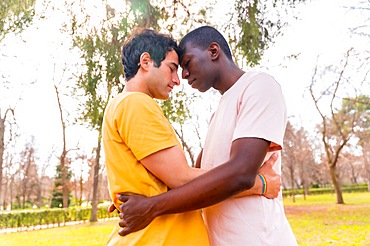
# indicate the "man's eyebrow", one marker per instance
pixel 175 64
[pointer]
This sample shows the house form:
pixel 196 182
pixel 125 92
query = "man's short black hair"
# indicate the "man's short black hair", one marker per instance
pixel 145 40
pixel 202 37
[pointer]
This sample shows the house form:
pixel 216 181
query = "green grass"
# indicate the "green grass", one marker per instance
pixel 82 234
pixel 315 221
pixel 319 221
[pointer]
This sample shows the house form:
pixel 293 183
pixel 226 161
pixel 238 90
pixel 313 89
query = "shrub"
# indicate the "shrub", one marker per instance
pixel 327 190
pixel 32 218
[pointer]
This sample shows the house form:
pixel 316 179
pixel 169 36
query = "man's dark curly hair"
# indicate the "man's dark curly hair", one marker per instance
pixel 145 40
pixel 202 37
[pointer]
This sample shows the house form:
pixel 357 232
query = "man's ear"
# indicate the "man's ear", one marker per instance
pixel 145 60
pixel 214 50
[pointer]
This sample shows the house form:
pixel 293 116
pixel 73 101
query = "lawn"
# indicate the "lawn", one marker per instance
pixel 81 234
pixel 319 221
pixel 315 221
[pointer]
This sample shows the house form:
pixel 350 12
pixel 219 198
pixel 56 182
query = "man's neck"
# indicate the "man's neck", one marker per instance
pixel 229 77
pixel 136 85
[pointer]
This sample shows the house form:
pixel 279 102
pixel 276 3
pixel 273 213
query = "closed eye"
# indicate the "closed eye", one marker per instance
pixel 173 66
pixel 187 63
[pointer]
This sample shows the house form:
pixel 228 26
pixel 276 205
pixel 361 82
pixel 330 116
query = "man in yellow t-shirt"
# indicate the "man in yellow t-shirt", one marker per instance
pixel 134 133
pixel 143 155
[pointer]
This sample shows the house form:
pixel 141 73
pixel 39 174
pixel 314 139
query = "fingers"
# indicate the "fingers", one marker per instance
pixel 273 158
pixel 111 208
pixel 122 198
pixel 122 223
pixel 125 231
pixel 271 161
pixel 120 215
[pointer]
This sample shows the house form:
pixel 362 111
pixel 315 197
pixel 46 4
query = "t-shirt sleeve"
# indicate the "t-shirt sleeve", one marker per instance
pixel 262 111
pixel 142 126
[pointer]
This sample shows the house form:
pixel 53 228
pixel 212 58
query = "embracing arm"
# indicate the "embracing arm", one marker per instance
pixel 170 166
pixel 273 181
pixel 234 176
pixel 272 178
pixel 163 164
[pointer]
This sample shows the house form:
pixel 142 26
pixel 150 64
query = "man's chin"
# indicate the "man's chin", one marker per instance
pixel 202 89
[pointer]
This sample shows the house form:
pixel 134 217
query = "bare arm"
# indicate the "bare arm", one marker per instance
pixel 234 176
pixel 273 180
pixel 170 166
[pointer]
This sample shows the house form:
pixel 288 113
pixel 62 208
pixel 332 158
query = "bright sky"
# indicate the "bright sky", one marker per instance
pixel 322 30
pixel 322 33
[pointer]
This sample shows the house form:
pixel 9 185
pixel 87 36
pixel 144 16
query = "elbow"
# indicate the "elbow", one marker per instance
pixel 245 181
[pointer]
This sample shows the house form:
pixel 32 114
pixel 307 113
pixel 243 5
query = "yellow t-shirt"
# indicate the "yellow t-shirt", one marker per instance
pixel 134 127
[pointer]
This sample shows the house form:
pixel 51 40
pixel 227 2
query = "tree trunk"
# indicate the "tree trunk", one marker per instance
pixel 75 190
pixel 185 146
pixel 367 169
pixel 63 166
pixel 11 189
pixel 39 195
pixel 81 190
pixel 337 188
pixel 292 182
pixel 64 179
pixel 95 200
pixel 2 144
pixel 5 192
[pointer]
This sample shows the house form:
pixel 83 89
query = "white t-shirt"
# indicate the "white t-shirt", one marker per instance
pixel 253 107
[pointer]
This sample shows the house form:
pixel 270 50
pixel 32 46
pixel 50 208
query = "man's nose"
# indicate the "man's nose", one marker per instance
pixel 176 79
pixel 185 73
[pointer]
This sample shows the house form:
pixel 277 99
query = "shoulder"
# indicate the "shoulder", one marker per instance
pixel 133 99
pixel 128 103
pixel 260 78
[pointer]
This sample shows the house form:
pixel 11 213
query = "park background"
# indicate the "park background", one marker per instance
pixel 60 66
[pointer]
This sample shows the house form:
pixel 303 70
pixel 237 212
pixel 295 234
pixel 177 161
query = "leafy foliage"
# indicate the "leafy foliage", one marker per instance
pixel 15 15
pixel 254 25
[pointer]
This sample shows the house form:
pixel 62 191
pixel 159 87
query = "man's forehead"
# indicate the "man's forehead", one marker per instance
pixel 189 49
pixel 172 57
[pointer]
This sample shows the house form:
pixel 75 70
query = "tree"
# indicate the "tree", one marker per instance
pixel 253 26
pixel 298 159
pixel 101 80
pixel 58 199
pixel 15 15
pixel 361 106
pixel 177 112
pixel 8 111
pixel 64 168
pixel 339 124
pixel 27 175
pixel 290 156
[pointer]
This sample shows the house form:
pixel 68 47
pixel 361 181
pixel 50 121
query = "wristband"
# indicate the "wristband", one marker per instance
pixel 264 183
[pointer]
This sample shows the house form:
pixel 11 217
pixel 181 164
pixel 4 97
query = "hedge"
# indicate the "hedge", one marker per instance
pixel 59 216
pixel 328 190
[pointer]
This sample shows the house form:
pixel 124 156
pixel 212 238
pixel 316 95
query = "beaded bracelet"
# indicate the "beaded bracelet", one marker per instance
pixel 264 183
